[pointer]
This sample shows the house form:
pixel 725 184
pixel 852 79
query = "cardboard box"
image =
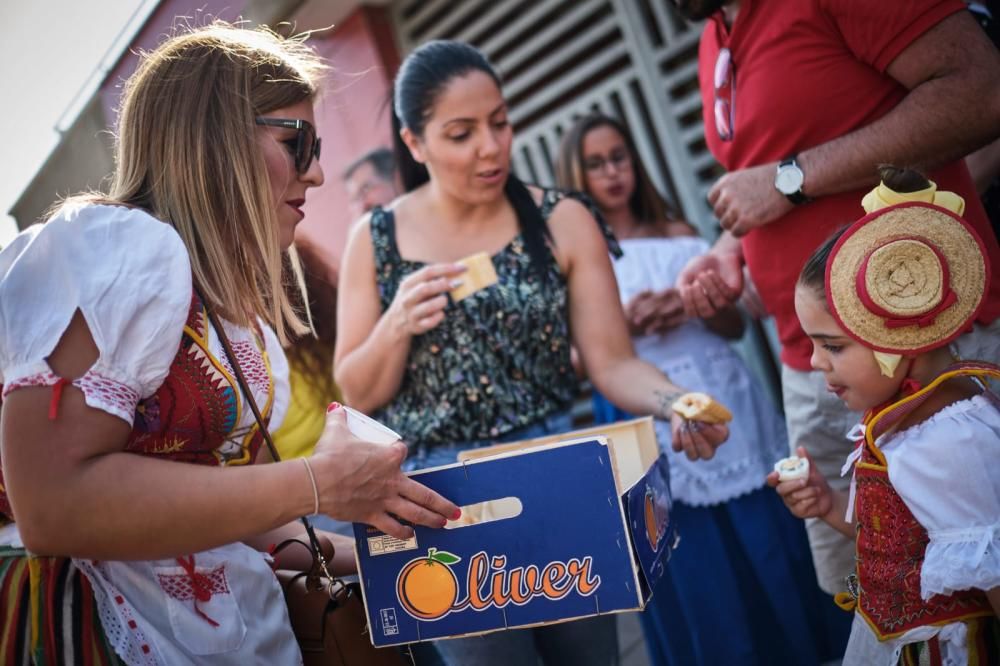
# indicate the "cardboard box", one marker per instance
pixel 553 529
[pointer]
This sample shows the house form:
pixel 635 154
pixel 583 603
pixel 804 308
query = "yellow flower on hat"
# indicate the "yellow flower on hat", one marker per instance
pixel 883 196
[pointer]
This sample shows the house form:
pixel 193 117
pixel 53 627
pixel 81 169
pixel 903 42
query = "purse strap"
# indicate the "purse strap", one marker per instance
pixel 317 551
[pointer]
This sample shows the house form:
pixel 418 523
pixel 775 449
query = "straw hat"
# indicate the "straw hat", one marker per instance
pixel 907 278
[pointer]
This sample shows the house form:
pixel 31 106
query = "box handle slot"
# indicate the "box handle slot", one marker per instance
pixel 487 512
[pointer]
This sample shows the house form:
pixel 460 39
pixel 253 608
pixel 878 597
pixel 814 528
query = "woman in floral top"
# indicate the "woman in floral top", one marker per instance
pixel 495 365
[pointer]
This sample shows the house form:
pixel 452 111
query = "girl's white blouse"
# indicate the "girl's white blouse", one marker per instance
pixel 947 471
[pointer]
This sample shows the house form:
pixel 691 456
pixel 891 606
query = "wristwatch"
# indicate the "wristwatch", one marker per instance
pixel 788 180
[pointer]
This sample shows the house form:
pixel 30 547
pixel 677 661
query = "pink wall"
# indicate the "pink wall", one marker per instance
pixel 350 116
pixel 353 116
pixel 162 23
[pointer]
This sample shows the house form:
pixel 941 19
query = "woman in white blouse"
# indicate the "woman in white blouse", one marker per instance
pixel 743 562
pixel 131 503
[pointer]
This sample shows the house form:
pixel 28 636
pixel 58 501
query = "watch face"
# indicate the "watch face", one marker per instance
pixel 789 179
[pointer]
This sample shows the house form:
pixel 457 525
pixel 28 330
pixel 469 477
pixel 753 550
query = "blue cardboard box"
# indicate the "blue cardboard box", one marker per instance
pixel 552 529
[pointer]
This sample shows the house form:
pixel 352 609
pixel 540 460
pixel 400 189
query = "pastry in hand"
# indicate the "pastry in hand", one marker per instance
pixel 792 468
pixel 479 274
pixel 701 407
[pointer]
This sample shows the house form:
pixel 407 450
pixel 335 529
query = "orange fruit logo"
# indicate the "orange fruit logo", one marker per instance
pixel 652 528
pixel 427 588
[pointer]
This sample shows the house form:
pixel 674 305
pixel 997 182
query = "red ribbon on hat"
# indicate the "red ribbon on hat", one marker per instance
pixel 927 318
pixel 892 320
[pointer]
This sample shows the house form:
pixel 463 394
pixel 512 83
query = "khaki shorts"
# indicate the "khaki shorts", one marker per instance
pixel 819 421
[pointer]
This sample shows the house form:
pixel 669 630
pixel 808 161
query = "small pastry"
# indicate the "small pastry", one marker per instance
pixel 479 274
pixel 701 407
pixel 792 468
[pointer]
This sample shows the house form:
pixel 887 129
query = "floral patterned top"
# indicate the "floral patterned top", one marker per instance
pixel 500 359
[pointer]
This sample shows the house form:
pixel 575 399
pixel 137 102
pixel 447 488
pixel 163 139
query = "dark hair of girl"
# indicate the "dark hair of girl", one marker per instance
pixel 647 204
pixel 902 180
pixel 421 79
pixel 813 274
pixel 313 355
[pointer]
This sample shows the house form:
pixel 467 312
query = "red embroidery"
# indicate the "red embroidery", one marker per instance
pixel 109 392
pixel 195 586
pixel 891 545
pixel 193 413
pixel 182 588
pixel 96 387
pixel 40 379
pixel 251 361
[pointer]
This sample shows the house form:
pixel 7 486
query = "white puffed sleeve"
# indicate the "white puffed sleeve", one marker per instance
pixel 947 471
pixel 280 377
pixel 130 277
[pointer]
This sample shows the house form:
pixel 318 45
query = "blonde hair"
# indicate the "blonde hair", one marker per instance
pixel 186 152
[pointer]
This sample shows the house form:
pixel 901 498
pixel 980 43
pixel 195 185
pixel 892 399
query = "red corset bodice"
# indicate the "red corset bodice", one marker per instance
pixel 891 543
pixel 890 552
pixel 192 416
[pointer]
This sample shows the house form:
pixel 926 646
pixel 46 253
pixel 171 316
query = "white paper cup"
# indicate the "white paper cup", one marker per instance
pixel 366 428
pixel 792 468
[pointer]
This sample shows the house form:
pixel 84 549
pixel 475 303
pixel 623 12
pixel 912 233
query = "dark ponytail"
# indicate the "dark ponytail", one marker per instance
pixel 412 174
pixel 422 77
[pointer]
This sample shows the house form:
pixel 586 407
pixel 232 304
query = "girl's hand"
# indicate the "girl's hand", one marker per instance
pixel 422 297
pixel 697 439
pixel 810 497
pixel 362 482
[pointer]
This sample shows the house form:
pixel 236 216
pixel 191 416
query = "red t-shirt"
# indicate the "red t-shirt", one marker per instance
pixel 807 72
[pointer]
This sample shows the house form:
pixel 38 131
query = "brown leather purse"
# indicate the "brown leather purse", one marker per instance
pixel 328 618
pixel 327 615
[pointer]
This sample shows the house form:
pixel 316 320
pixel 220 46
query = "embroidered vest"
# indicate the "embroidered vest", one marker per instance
pixel 891 543
pixel 192 416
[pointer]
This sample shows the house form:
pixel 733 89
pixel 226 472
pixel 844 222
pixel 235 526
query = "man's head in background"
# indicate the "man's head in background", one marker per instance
pixel 371 181
pixel 696 10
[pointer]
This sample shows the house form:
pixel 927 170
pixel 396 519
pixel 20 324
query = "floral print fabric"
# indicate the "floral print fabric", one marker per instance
pixel 500 359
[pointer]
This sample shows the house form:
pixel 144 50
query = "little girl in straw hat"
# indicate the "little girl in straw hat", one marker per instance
pixel 881 301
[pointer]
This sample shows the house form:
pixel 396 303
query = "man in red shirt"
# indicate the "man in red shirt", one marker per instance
pixel 802 100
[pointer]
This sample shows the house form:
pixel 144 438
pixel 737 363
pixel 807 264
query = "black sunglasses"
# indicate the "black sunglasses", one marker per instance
pixel 306 143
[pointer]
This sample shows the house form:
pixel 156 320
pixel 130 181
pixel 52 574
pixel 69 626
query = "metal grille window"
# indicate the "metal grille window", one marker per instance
pixel 561 59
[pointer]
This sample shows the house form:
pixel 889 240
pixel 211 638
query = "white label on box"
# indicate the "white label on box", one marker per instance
pixel 389 626
pixel 384 544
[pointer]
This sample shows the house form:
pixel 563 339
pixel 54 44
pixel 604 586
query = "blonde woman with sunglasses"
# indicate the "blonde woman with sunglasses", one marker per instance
pixel 134 513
